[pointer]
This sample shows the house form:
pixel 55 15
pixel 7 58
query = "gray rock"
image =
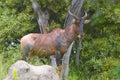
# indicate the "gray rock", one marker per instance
pixel 25 71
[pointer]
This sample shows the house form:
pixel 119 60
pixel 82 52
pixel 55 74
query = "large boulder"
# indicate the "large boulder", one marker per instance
pixel 21 70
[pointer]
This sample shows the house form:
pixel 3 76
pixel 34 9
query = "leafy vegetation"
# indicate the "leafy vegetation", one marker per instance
pixel 100 51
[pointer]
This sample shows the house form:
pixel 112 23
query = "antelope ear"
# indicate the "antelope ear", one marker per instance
pixel 87 21
pixel 73 21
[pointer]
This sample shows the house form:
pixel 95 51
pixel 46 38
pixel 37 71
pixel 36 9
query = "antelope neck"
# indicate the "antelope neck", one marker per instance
pixel 70 32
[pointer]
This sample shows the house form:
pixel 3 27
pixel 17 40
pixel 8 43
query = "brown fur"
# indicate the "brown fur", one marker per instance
pixel 45 44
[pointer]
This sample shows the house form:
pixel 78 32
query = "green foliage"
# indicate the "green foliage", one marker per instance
pixel 100 56
pixel 104 11
pixel 57 9
pixel 100 50
pixel 7 58
pixel 14 22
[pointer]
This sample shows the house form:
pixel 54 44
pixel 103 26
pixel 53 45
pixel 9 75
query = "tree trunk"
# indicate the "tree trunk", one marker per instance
pixel 75 8
pixel 78 52
pixel 65 64
pixel 42 18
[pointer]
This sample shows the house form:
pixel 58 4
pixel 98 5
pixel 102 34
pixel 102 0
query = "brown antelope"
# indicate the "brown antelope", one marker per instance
pixel 53 43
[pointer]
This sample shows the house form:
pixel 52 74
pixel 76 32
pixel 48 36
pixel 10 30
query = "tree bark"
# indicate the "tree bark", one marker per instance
pixel 78 54
pixel 75 8
pixel 65 64
pixel 42 19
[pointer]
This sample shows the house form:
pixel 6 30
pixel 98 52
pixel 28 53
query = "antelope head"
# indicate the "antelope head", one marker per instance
pixel 79 22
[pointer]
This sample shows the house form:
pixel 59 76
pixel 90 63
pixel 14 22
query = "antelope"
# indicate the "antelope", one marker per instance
pixel 53 43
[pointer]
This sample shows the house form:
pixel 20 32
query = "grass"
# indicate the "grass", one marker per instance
pixel 3 68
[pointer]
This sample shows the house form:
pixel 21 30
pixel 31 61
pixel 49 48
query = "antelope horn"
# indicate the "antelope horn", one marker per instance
pixel 73 15
pixel 84 15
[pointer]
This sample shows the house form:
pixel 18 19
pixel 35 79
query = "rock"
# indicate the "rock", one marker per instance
pixel 21 70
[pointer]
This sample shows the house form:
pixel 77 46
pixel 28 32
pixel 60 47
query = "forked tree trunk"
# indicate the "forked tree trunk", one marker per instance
pixel 75 8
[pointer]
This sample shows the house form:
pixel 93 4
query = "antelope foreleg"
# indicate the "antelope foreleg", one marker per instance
pixel 58 58
pixel 58 54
